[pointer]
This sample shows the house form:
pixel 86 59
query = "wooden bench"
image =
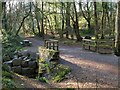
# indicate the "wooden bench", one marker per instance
pixel 51 44
pixel 89 44
pixel 105 46
pixel 100 46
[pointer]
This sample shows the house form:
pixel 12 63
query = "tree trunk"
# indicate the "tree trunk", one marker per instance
pixel 42 25
pixel 103 20
pixel 37 19
pixel 67 19
pixel 87 17
pixel 21 24
pixel 55 19
pixel 96 20
pixel 4 21
pixel 61 34
pixel 117 30
pixel 38 26
pixel 33 26
pixel 32 18
pixel 76 26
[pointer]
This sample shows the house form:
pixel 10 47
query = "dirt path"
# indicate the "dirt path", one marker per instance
pixel 89 69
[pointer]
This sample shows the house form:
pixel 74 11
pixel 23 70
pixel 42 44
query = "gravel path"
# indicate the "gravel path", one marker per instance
pixel 89 69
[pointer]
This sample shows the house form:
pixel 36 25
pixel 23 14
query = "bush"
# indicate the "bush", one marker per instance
pixel 60 73
pixel 10 44
pixel 6 68
pixel 87 32
pixel 116 52
pixel 7 78
pixel 6 74
pixel 43 79
pixel 8 84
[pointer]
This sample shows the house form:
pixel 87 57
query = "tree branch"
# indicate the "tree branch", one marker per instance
pixel 21 24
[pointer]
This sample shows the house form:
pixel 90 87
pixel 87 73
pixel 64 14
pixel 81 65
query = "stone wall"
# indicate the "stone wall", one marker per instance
pixel 46 56
pixel 24 64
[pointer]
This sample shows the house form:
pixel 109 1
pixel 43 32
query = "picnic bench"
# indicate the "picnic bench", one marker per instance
pixel 51 44
pixel 100 46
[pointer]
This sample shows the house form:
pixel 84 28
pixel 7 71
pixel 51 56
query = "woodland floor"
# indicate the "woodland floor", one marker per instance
pixel 89 69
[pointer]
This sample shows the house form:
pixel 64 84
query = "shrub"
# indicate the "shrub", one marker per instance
pixel 6 74
pixel 8 84
pixel 116 52
pixel 10 44
pixel 60 73
pixel 43 79
pixel 87 32
pixel 5 68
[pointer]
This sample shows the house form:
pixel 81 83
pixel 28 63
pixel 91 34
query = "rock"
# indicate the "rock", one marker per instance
pixel 25 58
pixel 26 53
pixel 32 64
pixel 24 64
pixel 33 55
pixel 15 56
pixel 6 58
pixel 19 54
pixel 32 59
pixel 17 69
pixel 28 60
pixel 28 71
pixel 17 62
pixel 9 63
